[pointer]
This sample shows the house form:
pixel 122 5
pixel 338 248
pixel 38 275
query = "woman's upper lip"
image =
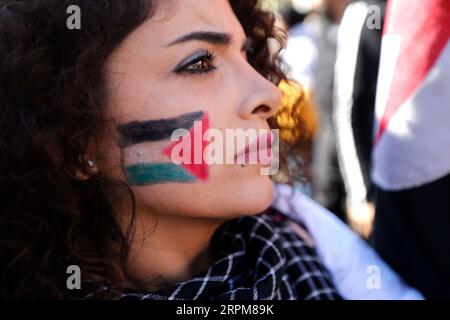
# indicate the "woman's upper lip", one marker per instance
pixel 255 145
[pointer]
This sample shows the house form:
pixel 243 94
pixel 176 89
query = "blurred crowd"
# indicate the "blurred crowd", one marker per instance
pixel 378 110
pixel 311 59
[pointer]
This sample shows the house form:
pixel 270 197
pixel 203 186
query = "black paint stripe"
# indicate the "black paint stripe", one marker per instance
pixel 155 130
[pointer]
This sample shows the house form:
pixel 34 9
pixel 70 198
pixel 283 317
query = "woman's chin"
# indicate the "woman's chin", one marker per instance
pixel 256 196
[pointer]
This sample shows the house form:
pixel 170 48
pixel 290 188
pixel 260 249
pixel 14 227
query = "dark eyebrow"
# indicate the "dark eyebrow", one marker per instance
pixel 217 38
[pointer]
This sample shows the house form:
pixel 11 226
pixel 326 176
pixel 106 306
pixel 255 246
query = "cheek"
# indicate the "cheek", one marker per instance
pixel 150 157
pixel 171 177
pixel 249 191
pixel 221 198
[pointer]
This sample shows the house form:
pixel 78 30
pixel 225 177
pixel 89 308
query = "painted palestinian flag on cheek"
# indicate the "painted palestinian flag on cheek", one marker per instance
pixel 144 165
pixel 194 164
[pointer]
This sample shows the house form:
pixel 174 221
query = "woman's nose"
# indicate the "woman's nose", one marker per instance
pixel 261 98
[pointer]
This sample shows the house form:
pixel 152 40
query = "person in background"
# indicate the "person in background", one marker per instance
pixel 328 188
pixel 300 21
pixel 358 56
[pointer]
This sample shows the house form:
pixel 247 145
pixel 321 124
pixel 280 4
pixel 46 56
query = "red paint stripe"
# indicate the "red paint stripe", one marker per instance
pixel 424 27
pixel 200 171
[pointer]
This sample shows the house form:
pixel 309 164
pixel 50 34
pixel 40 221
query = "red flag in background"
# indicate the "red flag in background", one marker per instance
pixel 412 145
pixel 411 156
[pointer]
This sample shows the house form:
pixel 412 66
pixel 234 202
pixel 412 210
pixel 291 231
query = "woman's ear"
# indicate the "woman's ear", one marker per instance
pixel 88 163
pixel 91 167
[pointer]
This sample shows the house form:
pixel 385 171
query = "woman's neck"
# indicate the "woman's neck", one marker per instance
pixel 168 249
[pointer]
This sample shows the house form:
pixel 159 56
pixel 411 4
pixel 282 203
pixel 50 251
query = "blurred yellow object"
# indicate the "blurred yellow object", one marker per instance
pixel 297 117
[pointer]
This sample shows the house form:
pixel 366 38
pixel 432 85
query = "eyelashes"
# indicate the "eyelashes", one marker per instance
pixel 203 62
pixel 199 63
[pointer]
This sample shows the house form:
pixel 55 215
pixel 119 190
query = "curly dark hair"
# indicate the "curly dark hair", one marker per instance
pixel 52 99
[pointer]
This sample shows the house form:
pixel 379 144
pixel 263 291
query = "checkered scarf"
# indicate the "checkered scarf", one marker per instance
pixel 261 258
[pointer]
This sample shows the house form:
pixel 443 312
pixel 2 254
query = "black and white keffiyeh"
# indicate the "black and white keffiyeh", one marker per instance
pixel 260 258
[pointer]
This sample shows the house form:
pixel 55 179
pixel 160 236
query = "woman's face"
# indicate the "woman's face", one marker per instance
pixel 187 65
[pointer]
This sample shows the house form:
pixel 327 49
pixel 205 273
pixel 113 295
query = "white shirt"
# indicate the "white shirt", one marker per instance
pixel 359 273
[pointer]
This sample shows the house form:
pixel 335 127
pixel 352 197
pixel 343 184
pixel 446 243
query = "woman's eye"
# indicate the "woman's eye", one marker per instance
pixel 200 66
pixel 200 63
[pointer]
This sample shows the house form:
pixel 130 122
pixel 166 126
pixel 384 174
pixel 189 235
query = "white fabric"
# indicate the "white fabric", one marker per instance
pixel 350 259
pixel 415 148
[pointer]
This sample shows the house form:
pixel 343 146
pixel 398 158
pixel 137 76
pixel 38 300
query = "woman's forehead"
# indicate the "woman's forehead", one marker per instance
pixel 174 18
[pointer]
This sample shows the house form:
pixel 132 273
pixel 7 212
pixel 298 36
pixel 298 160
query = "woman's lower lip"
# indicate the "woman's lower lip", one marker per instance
pixel 262 144
pixel 262 156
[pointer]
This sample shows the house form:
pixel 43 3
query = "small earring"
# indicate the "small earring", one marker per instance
pixel 91 163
